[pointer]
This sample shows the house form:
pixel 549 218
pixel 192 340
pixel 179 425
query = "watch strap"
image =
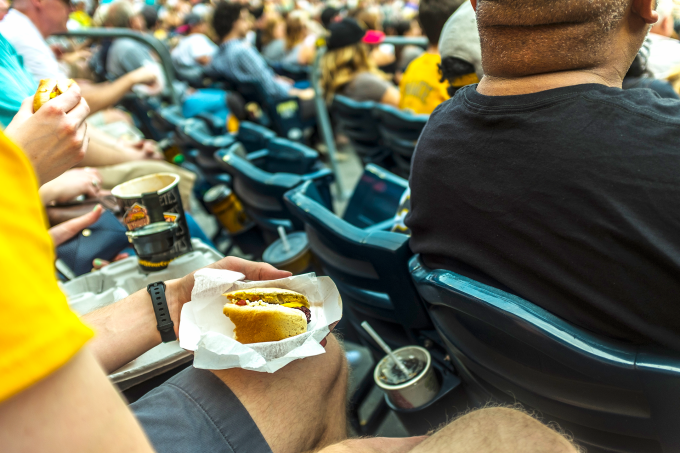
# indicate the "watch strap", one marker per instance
pixel 160 307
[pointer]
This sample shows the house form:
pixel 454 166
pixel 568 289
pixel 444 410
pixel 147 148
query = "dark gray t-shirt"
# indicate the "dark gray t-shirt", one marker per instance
pixel 366 86
pixel 126 55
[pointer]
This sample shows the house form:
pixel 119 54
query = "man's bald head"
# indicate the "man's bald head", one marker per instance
pixel 120 15
pixel 526 37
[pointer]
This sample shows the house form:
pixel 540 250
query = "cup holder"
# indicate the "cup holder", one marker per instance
pixel 449 401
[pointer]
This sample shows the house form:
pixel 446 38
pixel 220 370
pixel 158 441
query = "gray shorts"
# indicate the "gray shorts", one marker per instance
pixel 196 412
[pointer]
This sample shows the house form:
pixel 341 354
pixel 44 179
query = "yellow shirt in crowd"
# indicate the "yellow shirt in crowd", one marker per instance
pixel 421 89
pixel 38 331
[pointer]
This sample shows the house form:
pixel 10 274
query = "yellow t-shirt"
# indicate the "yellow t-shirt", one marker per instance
pixel 421 89
pixel 38 331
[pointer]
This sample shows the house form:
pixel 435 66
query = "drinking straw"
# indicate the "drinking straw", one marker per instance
pixel 284 238
pixel 367 327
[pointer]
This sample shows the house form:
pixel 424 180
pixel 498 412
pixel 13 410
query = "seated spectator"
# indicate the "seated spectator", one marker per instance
pixel 79 18
pixel 28 25
pixel 238 61
pixel 55 386
pixel 329 15
pixel 383 55
pixel 664 51
pixel 421 87
pixel 346 68
pixel 405 54
pixel 296 33
pixel 460 50
pixel 274 39
pixel 550 181
pixel 195 48
pixel 117 160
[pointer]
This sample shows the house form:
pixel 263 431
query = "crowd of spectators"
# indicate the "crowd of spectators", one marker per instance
pixel 536 174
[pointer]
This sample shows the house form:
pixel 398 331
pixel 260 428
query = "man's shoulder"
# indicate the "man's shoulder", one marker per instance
pixel 20 32
pixel 642 103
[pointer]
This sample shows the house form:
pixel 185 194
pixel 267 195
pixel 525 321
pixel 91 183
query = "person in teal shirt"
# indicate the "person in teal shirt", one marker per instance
pixel 17 83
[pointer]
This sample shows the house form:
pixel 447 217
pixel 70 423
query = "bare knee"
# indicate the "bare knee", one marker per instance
pixel 499 430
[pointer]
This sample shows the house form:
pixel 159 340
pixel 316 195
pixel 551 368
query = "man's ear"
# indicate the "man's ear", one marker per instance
pixel 646 10
pixel 474 4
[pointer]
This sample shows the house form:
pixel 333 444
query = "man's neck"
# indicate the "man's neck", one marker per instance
pixel 498 86
pixel 433 49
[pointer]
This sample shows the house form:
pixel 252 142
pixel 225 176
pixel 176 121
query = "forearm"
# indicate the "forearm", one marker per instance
pixel 103 150
pixel 104 95
pixel 47 193
pixel 127 329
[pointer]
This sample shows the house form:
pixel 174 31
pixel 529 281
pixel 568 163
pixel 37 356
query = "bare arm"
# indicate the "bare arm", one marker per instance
pixel 127 329
pixel 76 409
pixel 104 95
pixel 391 97
pixel 104 150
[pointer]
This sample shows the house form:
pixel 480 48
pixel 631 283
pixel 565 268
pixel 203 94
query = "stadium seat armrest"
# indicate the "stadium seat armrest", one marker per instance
pixel 321 174
pixel 385 225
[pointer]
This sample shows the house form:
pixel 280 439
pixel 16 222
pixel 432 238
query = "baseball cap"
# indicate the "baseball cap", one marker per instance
pixel 460 38
pixel 345 33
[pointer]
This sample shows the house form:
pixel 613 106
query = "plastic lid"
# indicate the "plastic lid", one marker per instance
pixel 151 229
pixel 276 254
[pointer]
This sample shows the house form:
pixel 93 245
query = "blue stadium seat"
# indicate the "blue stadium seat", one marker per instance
pixel 370 268
pixel 283 116
pixel 194 133
pixel 254 137
pixel 286 156
pixel 399 131
pixel 356 120
pixel 375 199
pixel 613 397
pixel 261 192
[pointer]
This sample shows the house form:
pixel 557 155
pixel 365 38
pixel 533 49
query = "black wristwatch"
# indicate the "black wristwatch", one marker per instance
pixel 160 306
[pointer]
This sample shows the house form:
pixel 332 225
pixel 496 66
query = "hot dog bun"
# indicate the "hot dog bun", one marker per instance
pixel 50 89
pixel 267 314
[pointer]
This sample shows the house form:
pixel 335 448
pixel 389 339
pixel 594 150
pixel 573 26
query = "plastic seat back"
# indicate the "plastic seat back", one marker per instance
pixel 197 134
pixel 285 114
pixel 612 396
pixel 254 137
pixel 369 267
pixel 357 122
pixel 290 157
pixel 261 192
pixel 400 131
pixel 375 198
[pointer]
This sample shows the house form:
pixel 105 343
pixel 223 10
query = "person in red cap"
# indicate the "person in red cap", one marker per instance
pixel 346 68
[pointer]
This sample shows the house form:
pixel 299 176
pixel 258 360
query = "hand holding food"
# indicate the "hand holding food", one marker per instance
pixel 54 138
pixel 50 89
pixel 267 314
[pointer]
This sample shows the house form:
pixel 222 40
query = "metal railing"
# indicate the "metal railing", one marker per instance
pixel 148 40
pixel 323 118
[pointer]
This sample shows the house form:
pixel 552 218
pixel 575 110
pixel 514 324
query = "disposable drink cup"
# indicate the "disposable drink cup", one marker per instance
pixel 129 195
pixel 408 392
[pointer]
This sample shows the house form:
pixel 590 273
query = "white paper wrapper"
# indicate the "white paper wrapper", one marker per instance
pixel 205 329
